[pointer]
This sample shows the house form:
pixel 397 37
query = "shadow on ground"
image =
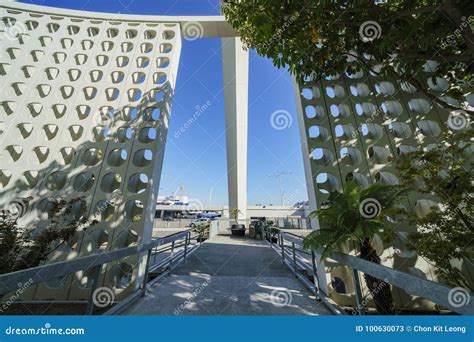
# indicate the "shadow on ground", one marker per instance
pixel 230 276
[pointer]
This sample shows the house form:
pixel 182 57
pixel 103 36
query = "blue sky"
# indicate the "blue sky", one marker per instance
pixel 196 159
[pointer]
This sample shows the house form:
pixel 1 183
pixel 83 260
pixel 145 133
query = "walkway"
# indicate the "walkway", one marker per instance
pixel 230 276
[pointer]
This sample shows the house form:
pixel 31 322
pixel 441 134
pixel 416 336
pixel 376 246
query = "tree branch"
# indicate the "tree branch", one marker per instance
pixel 442 103
pixel 451 10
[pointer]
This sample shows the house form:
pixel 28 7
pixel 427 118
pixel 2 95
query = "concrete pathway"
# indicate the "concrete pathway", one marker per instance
pixel 230 276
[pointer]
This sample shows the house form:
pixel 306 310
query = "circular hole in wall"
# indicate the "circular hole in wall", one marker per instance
pixel 147 134
pixel 358 179
pixel 419 106
pixel 307 93
pixel 104 210
pixel 429 128
pixel 84 181
pixel 117 157
pixel 124 134
pixel 56 180
pixel 310 112
pixel 153 113
pixel 143 157
pixel 126 238
pixel 386 178
pixel 159 78
pixel 385 88
pixel 92 156
pixel 138 183
pixel 134 210
pixel 328 182
pixel 111 182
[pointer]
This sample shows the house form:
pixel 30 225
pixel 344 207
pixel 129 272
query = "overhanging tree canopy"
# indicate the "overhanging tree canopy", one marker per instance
pixel 324 38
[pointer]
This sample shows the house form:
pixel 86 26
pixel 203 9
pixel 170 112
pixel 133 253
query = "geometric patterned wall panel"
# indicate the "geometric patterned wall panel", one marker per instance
pixel 85 103
pixel 353 123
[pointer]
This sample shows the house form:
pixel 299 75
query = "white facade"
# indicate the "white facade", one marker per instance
pixel 85 109
pixel 350 126
pixel 85 106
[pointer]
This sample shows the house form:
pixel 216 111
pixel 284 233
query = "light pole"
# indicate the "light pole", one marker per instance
pixel 279 175
pixel 210 195
pixel 178 189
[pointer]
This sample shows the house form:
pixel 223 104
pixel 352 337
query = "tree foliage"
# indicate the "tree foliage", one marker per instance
pixel 21 248
pixel 203 229
pixel 445 235
pixel 323 38
pixel 356 215
pixel 234 212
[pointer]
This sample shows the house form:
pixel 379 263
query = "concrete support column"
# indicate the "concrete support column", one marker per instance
pixel 235 63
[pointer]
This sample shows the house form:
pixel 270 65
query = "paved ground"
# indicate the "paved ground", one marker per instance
pixel 230 276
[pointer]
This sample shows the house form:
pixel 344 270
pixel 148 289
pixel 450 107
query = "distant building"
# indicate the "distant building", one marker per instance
pixel 172 200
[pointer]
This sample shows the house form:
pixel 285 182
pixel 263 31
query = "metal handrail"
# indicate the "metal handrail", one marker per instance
pixel 9 282
pixel 435 292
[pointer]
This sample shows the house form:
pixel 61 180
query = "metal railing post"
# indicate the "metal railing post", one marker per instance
pixel 147 267
pixel 358 292
pixel 315 277
pixel 95 282
pixel 186 241
pixel 282 249
pixel 415 286
pixel 171 255
pixel 294 256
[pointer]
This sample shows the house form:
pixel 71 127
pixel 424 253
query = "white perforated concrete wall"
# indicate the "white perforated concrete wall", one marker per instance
pixel 351 125
pixel 84 108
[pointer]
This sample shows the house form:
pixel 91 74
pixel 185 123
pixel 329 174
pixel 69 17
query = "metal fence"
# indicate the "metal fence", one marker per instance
pixel 290 248
pixel 177 246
